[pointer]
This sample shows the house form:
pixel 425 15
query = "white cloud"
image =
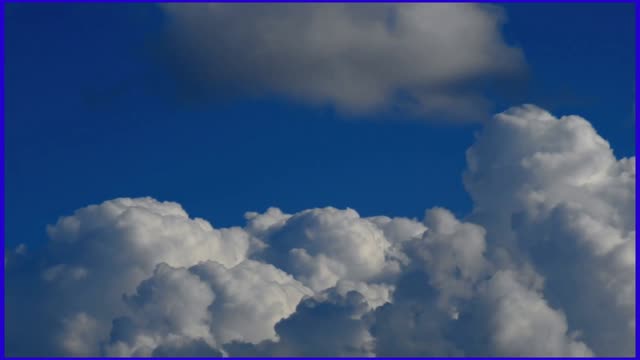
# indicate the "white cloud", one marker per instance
pixel 104 251
pixel 207 304
pixel 171 305
pixel 359 57
pixel 322 246
pixel 251 298
pixel 551 190
pixel 544 266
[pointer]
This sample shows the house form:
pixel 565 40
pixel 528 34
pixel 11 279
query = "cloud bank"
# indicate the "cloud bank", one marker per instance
pixel 543 266
pixel 426 58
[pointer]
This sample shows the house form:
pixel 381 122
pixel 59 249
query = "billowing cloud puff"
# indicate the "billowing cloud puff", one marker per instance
pixel 452 253
pixel 251 298
pixel 323 246
pixel 359 58
pixel 453 290
pixel 150 231
pixel 206 303
pixel 536 158
pixel 447 262
pixel 329 327
pixel 397 230
pixel 552 192
pixel 522 323
pixel 543 266
pixel 172 305
pixel 104 251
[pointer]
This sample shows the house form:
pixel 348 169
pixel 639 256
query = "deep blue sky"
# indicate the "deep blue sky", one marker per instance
pixel 92 114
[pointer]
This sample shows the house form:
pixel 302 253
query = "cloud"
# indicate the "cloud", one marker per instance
pixel 452 253
pixel 429 58
pixel 523 324
pixel 327 327
pixel 79 334
pixel 251 298
pixel 172 305
pixel 104 251
pixel 543 266
pixel 323 246
pixel 204 306
pixel 552 192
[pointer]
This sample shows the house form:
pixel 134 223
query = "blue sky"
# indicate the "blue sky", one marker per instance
pixel 314 108
pixel 93 113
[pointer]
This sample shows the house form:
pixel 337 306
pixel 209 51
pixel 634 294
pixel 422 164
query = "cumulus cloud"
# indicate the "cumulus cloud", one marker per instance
pixel 446 263
pixel 452 253
pixel 551 191
pixel 543 266
pixel 205 305
pixel 104 251
pixel 252 298
pixel 360 58
pixel 171 305
pixel 323 246
pixel 330 326
pixel 522 323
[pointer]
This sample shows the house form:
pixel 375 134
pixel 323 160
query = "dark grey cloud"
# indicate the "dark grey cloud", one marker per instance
pixel 431 59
